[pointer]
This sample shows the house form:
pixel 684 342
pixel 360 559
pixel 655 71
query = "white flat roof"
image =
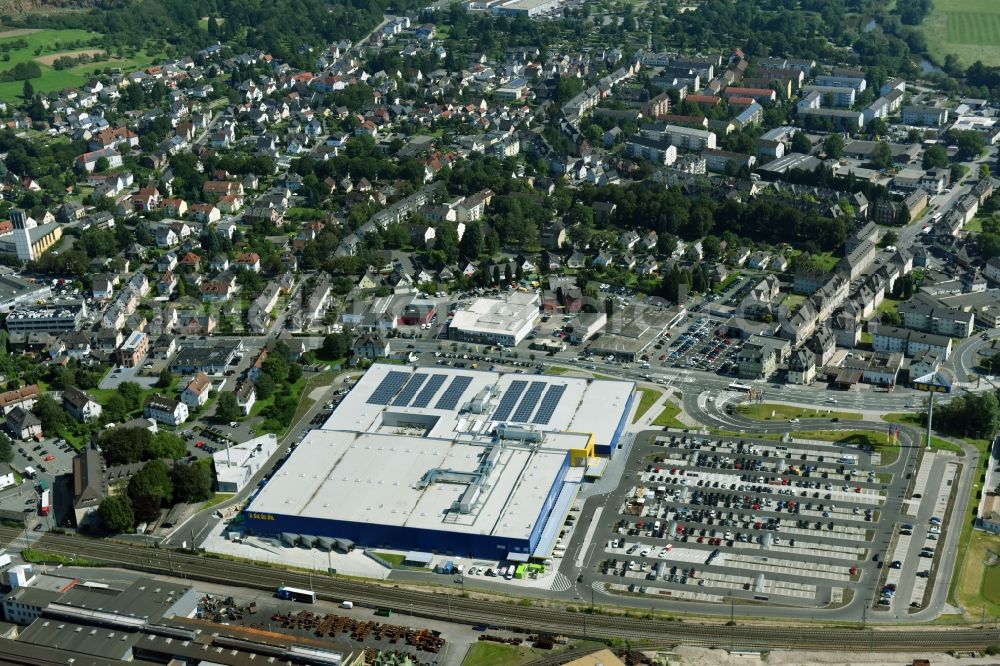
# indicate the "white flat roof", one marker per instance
pixel 490 315
pixel 373 478
pixel 591 406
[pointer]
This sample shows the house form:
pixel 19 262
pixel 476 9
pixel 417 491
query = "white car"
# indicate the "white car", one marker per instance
pixel 644 552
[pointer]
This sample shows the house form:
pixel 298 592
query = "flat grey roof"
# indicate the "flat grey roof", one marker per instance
pixel 375 478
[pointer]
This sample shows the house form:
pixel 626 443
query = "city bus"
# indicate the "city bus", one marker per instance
pixel 43 504
pixel 736 386
pixel 297 594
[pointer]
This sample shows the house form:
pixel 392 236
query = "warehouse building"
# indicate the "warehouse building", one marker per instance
pixel 447 460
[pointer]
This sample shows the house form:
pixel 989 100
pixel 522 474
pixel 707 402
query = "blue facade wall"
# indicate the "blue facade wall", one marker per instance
pixel 550 501
pixel 389 536
pixel 410 538
pixel 610 448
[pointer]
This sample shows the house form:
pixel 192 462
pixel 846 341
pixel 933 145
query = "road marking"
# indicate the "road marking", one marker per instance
pixel 581 554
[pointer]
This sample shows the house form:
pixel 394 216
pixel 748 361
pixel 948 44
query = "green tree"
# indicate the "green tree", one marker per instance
pixel 878 127
pixel 150 489
pixel 833 146
pixel 102 165
pixel 116 409
pixel 53 417
pixel 294 373
pixel 801 143
pixel 165 379
pixel 192 483
pixel 28 90
pixel 989 245
pixel 889 238
pixel 882 155
pixel 6 449
pixel 935 156
pixel 165 445
pixel 116 513
pixel 984 171
pixel 227 408
pixel 132 392
pixel 122 446
pixel 970 144
pixel 471 245
pixel 335 346
pixel 264 385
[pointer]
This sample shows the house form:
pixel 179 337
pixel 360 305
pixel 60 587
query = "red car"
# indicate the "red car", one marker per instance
pixel 49 458
pixel 199 445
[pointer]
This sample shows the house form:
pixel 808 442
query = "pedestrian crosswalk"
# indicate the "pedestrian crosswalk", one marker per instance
pixel 561 583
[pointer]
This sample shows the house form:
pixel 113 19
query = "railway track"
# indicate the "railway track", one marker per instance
pixel 507 614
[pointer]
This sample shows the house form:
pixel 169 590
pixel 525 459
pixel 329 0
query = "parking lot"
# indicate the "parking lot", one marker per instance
pixel 702 345
pixel 709 519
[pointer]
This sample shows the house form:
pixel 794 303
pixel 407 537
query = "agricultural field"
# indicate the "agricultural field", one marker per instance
pixel 44 47
pixel 968 28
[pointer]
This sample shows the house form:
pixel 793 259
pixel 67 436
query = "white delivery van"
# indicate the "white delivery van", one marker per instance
pixel 347 604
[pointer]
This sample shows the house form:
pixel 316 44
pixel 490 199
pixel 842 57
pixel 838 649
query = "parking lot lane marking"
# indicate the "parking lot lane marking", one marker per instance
pixel 581 554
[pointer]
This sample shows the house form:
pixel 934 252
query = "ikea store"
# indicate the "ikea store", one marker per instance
pixel 447 460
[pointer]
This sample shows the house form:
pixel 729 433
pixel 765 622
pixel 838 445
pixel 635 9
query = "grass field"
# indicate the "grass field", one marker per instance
pixel 991 582
pixel 649 396
pixel 968 28
pixel 668 417
pixel 855 438
pixel 44 46
pixel 485 653
pixel 774 412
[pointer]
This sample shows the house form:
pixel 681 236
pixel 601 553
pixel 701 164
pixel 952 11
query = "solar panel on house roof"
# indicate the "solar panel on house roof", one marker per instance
pixel 453 393
pixel 509 399
pixel 428 391
pixel 529 402
pixel 549 404
pixel 410 390
pixel 387 388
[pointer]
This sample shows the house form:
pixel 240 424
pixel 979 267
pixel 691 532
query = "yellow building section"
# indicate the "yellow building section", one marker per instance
pixel 39 246
pixel 578 457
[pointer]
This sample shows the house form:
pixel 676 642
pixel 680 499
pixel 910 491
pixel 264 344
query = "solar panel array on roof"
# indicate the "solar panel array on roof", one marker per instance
pixel 509 399
pixel 549 404
pixel 428 391
pixel 388 387
pixel 410 390
pixel 453 393
pixel 529 402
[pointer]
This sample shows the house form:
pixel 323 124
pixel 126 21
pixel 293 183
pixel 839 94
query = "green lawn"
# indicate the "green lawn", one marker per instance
pixel 937 443
pixel 395 559
pixel 646 400
pixel 556 370
pixel 774 412
pixel 889 304
pixel 487 653
pixel 217 498
pixel 991 583
pixel 42 45
pixel 875 440
pixel 975 225
pixel 968 28
pixel 668 417
pixel 792 301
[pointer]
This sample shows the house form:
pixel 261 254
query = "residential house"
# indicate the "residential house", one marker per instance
pixel 165 410
pixel 80 406
pixel 23 425
pixel 370 346
pixel 195 393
